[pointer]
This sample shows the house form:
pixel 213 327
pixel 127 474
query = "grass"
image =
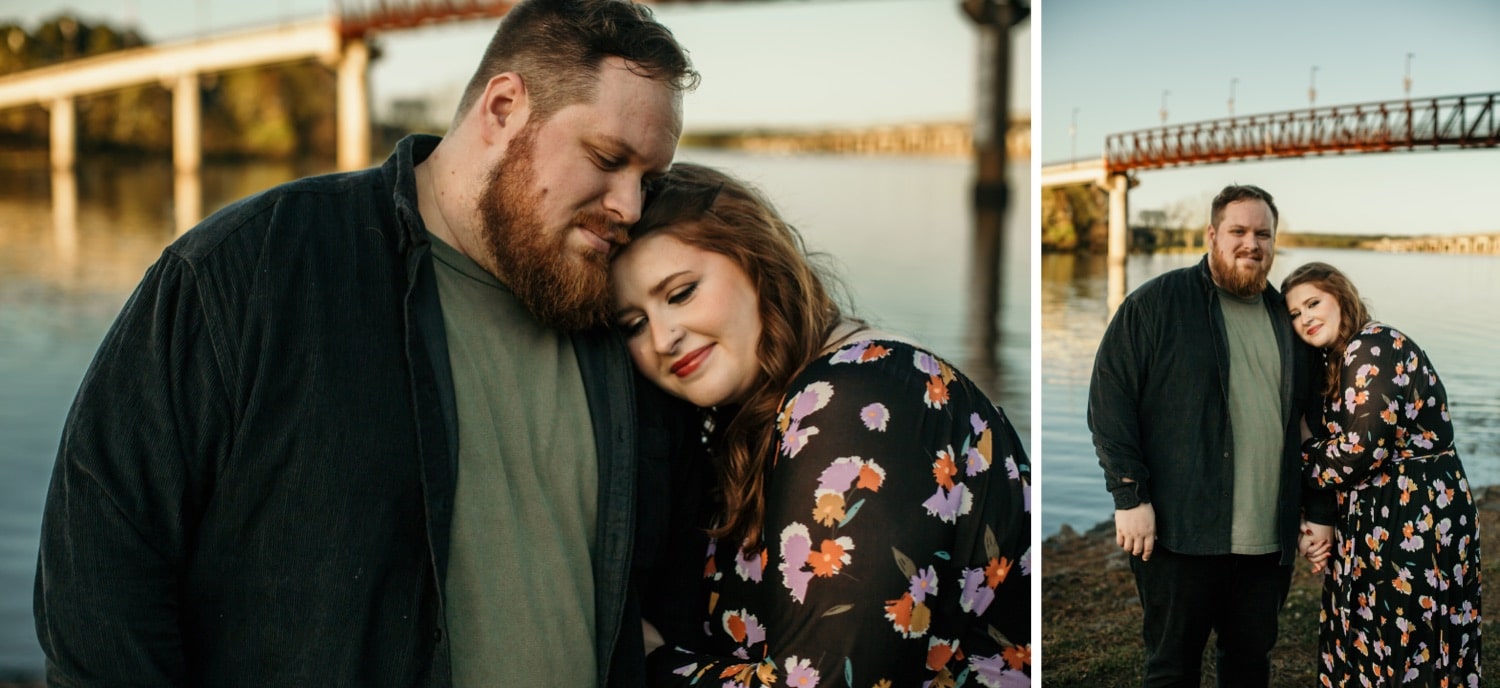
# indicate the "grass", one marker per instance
pixel 1091 616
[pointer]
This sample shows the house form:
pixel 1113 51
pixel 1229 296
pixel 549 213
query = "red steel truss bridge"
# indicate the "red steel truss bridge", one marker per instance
pixel 1448 122
pixel 360 17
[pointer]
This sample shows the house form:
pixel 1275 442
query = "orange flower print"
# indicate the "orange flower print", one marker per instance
pixel 871 477
pixel 829 509
pixel 996 571
pixel 937 392
pixel 898 612
pixel 944 469
pixel 830 557
pixel 939 652
pixel 872 353
pixel 1017 656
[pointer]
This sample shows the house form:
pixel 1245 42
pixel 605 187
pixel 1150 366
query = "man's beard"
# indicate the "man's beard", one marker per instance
pixel 1242 282
pixel 561 287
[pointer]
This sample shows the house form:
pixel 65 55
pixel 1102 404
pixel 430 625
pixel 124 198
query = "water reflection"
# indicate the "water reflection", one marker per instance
pixel 187 201
pixel 65 218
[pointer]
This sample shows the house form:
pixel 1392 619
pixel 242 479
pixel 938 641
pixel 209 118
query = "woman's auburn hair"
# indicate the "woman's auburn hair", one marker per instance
pixel 1353 313
pixel 712 211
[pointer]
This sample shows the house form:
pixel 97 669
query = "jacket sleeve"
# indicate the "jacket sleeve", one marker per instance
pixel 130 478
pixel 1366 423
pixel 1120 368
pixel 887 548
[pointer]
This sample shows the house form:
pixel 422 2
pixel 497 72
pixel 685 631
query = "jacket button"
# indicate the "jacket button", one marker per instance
pixel 437 635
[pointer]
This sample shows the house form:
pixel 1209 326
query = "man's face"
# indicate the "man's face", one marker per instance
pixel 1242 247
pixel 558 203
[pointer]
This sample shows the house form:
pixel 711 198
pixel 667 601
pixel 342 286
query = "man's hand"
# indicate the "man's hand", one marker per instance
pixel 1315 544
pixel 652 636
pixel 1135 530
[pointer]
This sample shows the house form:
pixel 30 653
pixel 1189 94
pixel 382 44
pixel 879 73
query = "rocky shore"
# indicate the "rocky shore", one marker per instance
pixel 1091 619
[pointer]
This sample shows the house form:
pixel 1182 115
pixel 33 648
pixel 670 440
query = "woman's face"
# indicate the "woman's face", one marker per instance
pixel 691 319
pixel 1315 314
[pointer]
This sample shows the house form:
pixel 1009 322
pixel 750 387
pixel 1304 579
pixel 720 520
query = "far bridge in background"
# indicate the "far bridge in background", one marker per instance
pixel 1424 124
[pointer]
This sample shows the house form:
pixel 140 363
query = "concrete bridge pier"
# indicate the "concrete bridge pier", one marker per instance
pixel 64 132
pixel 354 105
pixel 187 123
pixel 1118 187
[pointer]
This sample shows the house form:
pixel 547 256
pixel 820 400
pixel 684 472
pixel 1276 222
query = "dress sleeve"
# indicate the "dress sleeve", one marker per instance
pixel 131 473
pixel 897 537
pixel 1369 421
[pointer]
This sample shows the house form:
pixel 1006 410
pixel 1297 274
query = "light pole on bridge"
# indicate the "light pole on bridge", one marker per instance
pixel 1073 138
pixel 1406 80
pixel 1312 87
pixel 1232 82
pixel 1164 106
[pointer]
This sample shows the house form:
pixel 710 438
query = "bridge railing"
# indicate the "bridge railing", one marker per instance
pixel 1468 121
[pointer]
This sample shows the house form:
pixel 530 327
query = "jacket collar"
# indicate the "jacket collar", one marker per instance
pixel 400 175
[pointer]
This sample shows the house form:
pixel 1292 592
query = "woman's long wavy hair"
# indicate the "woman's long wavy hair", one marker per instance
pixel 1353 313
pixel 799 309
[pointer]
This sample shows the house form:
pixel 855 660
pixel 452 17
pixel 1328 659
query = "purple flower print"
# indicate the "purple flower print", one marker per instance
pixel 948 505
pixel 926 363
pixel 875 416
pixel 840 476
pixel 752 568
pixel 796 544
pixel 923 584
pixel 994 672
pixel 976 596
pixel 851 353
pixel 800 674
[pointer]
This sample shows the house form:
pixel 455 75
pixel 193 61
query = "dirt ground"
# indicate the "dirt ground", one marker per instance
pixel 1091 619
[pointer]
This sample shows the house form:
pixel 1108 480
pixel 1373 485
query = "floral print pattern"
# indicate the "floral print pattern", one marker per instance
pixel 897 535
pixel 1401 602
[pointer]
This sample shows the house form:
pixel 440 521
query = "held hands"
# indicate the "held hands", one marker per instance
pixel 1135 530
pixel 653 636
pixel 1315 544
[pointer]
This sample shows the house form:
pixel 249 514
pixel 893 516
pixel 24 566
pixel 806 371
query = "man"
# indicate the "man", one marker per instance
pixel 363 429
pixel 1195 405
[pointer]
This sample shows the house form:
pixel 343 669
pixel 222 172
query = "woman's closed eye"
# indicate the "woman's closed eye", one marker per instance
pixel 632 327
pixel 682 295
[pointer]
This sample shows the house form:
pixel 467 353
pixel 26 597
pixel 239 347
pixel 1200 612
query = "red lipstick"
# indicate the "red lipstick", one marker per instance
pixel 689 363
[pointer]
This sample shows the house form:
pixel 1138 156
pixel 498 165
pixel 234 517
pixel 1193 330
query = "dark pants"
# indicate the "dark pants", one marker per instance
pixel 1184 597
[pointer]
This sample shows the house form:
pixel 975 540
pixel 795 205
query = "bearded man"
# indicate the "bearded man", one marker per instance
pixel 1194 405
pixel 368 429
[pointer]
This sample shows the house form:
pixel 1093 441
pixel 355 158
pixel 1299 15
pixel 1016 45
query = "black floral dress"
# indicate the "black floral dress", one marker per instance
pixel 1401 603
pixel 897 534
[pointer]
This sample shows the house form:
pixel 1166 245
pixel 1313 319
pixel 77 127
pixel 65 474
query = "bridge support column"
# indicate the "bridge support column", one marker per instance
pixel 64 133
pixel 1119 226
pixel 354 106
pixel 187 124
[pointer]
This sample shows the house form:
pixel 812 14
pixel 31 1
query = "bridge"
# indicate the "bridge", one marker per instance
pixel 1442 123
pixel 1481 244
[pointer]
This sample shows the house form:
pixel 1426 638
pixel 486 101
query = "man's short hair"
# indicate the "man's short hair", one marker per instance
pixel 1241 192
pixel 556 46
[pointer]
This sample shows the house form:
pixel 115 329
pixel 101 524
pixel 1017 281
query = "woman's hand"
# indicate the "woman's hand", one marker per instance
pixel 653 637
pixel 1315 544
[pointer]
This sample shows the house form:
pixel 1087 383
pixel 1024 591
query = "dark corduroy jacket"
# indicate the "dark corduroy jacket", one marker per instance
pixel 255 482
pixel 1159 413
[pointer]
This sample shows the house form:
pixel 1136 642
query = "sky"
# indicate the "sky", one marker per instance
pixel 1112 60
pixel 798 63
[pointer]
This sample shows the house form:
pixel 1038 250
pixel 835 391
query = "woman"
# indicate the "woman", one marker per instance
pixel 871 524
pixel 1401 604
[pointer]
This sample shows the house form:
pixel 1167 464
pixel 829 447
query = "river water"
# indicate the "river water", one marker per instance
pixel 899 228
pixel 1448 304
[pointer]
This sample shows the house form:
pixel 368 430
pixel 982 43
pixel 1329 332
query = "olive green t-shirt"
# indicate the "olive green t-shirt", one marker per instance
pixel 520 588
pixel 1255 418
